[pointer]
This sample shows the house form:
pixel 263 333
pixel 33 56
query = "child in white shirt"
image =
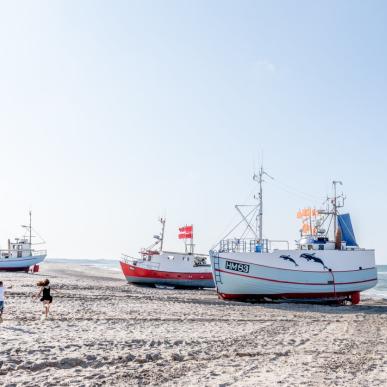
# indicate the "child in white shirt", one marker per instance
pixel 1 300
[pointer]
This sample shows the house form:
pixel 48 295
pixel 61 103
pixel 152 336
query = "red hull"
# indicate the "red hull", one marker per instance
pixel 353 296
pixel 137 274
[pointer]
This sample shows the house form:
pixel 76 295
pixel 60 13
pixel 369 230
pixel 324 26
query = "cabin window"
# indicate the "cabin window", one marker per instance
pixel 321 247
pixel 149 257
pixel 310 247
pixel 187 258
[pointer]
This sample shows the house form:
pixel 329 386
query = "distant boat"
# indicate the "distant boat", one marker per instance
pixel 157 267
pixel 20 255
pixel 319 269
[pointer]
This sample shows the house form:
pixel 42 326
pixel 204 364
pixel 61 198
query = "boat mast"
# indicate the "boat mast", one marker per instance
pixel 30 229
pixel 260 197
pixel 191 245
pixel 335 205
pixel 259 179
pixel 162 221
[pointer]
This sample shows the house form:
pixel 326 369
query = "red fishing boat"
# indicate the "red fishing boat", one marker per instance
pixel 156 267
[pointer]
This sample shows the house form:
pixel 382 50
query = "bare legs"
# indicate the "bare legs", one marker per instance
pixel 46 305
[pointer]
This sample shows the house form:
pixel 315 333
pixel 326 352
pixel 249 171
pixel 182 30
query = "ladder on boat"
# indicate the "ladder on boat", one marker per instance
pixel 218 278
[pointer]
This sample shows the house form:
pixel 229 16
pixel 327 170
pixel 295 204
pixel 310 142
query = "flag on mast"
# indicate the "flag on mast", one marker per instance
pixel 186 232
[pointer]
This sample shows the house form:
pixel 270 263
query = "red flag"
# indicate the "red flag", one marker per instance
pixel 185 232
pixel 185 235
pixel 186 229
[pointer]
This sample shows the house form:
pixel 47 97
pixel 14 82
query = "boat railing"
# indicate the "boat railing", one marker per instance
pixel 35 253
pixel 189 254
pixel 236 245
pixel 128 259
pixel 278 244
pixel 144 263
pixel 5 253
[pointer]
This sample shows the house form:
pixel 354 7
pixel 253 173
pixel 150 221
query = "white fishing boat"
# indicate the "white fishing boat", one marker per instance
pixel 20 254
pixel 320 268
pixel 159 267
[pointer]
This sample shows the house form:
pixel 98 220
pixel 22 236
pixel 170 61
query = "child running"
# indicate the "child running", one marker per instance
pixel 45 292
pixel 1 301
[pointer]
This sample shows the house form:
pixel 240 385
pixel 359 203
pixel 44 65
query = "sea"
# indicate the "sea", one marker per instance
pixel 108 264
pixel 378 292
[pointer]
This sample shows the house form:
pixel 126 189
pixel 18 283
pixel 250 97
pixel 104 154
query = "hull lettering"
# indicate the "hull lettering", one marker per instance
pixel 235 266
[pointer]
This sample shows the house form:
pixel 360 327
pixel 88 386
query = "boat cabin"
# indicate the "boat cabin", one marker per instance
pixel 157 256
pixel 19 248
pixel 317 243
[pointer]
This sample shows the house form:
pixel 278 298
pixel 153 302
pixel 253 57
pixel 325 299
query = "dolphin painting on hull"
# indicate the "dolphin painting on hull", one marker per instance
pixel 311 257
pixel 288 258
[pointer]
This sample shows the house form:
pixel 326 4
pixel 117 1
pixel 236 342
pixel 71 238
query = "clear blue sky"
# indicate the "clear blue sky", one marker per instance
pixel 115 112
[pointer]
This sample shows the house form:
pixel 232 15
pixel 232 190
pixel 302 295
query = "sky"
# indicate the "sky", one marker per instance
pixel 113 113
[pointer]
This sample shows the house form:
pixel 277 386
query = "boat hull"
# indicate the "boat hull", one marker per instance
pixel 265 275
pixel 139 275
pixel 20 264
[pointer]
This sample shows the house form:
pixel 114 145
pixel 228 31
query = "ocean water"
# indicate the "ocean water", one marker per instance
pixel 109 264
pixel 378 292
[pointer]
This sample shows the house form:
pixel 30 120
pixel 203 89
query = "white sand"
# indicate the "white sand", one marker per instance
pixel 103 331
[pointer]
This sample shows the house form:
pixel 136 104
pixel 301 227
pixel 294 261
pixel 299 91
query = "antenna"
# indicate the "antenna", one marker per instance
pixel 259 179
pixel 30 228
pixel 162 221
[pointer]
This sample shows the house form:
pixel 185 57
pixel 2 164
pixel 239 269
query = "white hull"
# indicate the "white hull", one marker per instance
pixel 24 263
pixel 169 268
pixel 258 275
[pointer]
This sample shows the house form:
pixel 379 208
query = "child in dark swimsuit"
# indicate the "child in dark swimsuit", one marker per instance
pixel 45 292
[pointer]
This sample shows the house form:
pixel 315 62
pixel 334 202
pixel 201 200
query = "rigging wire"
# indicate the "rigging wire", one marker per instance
pixel 329 225
pixel 277 184
pixel 249 221
pixel 232 220
pixel 232 230
pixel 42 239
pixel 294 191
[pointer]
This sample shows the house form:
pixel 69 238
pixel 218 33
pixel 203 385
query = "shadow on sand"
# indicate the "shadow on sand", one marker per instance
pixel 367 306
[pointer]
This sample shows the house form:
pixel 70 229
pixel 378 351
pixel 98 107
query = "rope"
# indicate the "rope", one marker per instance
pixel 233 219
pixel 294 191
pixel 254 209
pixel 334 283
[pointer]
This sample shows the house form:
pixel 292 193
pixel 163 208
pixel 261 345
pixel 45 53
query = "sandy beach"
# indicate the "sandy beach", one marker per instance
pixel 103 331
